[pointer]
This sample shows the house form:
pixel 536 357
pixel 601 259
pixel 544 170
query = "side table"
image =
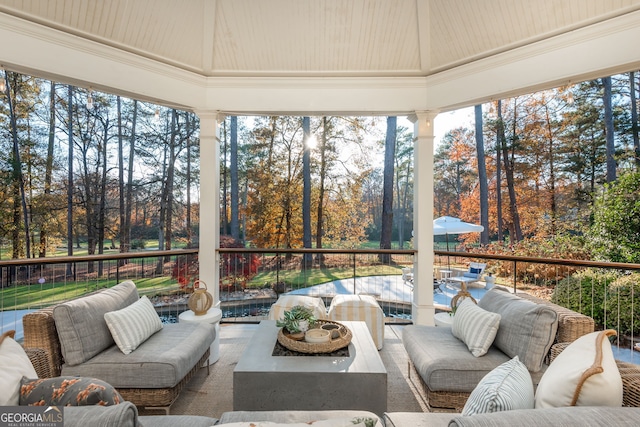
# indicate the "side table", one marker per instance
pixel 443 319
pixel 213 317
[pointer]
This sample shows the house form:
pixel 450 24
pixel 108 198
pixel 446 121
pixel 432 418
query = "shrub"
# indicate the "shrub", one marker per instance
pixel 138 244
pixel 615 233
pixel 584 292
pixel 564 246
pixel 623 304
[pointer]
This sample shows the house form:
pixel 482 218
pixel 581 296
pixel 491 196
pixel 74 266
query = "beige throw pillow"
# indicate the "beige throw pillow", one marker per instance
pixel 132 325
pixel 14 364
pixel 475 327
pixel 584 374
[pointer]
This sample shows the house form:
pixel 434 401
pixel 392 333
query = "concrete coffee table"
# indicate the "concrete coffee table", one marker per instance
pixel 263 382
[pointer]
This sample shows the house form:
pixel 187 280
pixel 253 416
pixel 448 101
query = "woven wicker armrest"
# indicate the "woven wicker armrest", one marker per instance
pixel 40 332
pixel 40 361
pixel 571 325
pixel 629 372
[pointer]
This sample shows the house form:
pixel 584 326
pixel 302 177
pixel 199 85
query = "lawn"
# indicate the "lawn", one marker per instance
pixel 42 295
pixel 317 276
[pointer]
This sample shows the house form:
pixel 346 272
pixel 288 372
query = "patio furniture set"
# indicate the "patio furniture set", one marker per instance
pixel 333 391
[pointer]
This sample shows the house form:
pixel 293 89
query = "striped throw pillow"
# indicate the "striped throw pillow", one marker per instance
pixel 474 326
pixel 132 325
pixel 507 387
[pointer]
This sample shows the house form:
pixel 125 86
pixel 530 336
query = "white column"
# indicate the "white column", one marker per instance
pixel 423 310
pixel 209 257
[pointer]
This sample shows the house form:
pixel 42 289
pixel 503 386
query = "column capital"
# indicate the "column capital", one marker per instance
pixel 423 114
pixel 423 122
pixel 211 115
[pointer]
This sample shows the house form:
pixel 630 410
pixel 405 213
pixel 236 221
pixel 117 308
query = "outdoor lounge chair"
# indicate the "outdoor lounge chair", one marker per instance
pixel 472 275
pixel 407 276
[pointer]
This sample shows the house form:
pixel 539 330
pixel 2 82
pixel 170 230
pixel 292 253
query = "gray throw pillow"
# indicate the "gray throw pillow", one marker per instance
pixel 527 330
pixel 82 330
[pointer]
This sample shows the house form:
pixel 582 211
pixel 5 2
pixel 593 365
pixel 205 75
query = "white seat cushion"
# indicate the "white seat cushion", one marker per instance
pixel 286 302
pixel 363 308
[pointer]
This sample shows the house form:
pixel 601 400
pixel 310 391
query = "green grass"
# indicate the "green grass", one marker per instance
pixel 317 276
pixel 37 296
pixel 5 250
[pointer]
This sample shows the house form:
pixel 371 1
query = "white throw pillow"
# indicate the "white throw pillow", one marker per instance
pixel 584 374
pixel 474 326
pixel 15 364
pixel 507 387
pixel 132 325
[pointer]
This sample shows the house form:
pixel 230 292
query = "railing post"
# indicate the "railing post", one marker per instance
pixel 354 273
pixel 515 276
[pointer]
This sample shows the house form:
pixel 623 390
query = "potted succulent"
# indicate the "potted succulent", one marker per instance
pixel 297 321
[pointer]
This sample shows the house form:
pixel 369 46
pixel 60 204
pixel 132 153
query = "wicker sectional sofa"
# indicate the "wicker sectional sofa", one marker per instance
pixel 77 342
pixel 442 367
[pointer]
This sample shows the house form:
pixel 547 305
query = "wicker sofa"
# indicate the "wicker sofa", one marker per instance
pixel 76 341
pixel 441 366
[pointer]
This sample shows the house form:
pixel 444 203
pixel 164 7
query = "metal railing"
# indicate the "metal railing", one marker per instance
pixel 252 279
pixel 30 284
pixel 609 292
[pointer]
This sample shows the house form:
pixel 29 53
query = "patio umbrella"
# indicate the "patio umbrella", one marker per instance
pixel 446 225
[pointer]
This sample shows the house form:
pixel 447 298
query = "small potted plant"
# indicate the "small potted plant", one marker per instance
pixel 297 321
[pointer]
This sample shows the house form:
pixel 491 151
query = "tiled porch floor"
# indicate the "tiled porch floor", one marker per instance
pixel 212 395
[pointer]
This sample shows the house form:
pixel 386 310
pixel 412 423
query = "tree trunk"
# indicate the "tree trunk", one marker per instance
pixel 482 177
pixel 163 210
pixel 103 196
pixel 235 189
pixel 499 142
pixel 44 232
pixel 225 190
pixel 306 192
pixel 129 191
pixel 516 234
pixel 17 165
pixel 387 189
pixel 634 120
pixel 608 126
pixel 553 207
pixel 70 180
pixel 121 208
pixel 323 174
pixel 188 172
pixel 168 229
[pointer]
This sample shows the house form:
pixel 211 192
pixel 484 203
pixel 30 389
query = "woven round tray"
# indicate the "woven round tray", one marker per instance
pixel 325 347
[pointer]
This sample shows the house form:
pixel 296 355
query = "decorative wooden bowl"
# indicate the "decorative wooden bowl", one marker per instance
pixel 326 347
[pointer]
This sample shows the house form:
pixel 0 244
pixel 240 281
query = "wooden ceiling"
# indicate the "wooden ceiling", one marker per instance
pixel 318 56
pixel 317 37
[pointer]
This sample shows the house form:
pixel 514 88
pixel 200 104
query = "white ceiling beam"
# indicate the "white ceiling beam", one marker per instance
pixel 424 37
